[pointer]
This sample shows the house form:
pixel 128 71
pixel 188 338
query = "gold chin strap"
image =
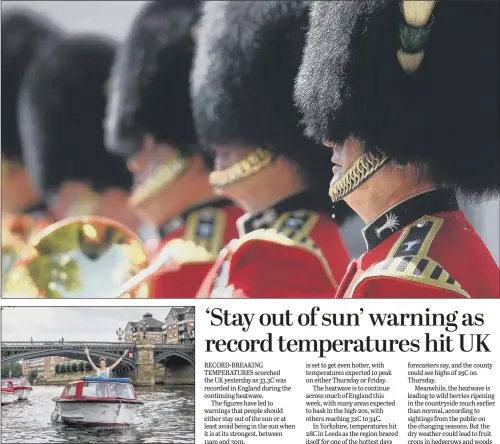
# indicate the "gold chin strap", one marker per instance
pixel 365 166
pixel 256 161
pixel 160 178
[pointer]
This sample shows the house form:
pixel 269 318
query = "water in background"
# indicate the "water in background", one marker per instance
pixel 167 416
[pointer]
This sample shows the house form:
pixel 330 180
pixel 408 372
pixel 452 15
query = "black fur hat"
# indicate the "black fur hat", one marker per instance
pixel 443 114
pixel 247 58
pixel 23 35
pixel 149 87
pixel 61 115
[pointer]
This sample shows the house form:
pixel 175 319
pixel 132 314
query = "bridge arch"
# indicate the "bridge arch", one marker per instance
pixel 177 359
pixel 69 353
pixel 165 355
pixel 179 365
pixel 16 351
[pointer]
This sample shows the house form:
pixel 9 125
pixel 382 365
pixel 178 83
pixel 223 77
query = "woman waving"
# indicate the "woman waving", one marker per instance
pixel 102 371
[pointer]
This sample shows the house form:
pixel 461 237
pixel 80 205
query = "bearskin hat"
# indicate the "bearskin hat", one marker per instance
pixel 421 89
pixel 247 58
pixel 149 87
pixel 61 115
pixel 23 35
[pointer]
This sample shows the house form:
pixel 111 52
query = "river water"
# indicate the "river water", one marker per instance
pixel 167 416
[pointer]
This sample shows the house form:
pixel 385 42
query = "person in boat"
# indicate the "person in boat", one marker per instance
pixel 288 245
pixel 24 34
pixel 150 124
pixel 62 106
pixel 403 93
pixel 102 371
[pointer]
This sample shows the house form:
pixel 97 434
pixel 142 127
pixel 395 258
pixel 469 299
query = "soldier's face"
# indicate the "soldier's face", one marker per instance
pixel 148 159
pixel 343 156
pixel 164 199
pixel 254 187
pixel 226 157
pixel 153 209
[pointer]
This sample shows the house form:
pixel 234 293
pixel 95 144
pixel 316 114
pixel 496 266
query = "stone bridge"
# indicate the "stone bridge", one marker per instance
pixel 178 359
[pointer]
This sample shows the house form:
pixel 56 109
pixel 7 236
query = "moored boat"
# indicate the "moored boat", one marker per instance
pixel 97 401
pixel 21 386
pixel 9 395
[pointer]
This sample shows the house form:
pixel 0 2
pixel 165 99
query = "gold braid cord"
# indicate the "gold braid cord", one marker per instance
pixel 160 178
pixel 256 161
pixel 364 166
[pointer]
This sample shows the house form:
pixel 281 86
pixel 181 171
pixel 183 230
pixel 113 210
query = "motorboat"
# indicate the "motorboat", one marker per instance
pixel 21 386
pixel 9 395
pixel 97 402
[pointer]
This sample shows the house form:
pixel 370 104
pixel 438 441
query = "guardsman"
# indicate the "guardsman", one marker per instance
pixel 23 35
pixel 62 106
pixel 404 93
pixel 150 124
pixel 242 87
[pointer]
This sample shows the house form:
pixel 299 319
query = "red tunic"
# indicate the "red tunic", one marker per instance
pixel 438 255
pixel 300 254
pixel 194 247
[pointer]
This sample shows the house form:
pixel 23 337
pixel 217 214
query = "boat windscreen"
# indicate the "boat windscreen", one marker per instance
pixel 94 390
pixel 5 384
pixel 121 390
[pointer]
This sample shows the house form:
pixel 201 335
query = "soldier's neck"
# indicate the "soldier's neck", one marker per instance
pixel 382 191
pixel 276 182
pixel 195 194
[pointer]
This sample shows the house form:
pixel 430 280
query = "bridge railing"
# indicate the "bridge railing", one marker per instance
pixel 65 343
pixel 57 344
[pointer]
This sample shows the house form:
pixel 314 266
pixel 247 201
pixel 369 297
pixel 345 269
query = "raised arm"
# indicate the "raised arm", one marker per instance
pixel 90 360
pixel 111 367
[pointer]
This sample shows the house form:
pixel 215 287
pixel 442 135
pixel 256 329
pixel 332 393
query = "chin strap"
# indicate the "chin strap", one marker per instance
pixel 256 161
pixel 161 177
pixel 364 167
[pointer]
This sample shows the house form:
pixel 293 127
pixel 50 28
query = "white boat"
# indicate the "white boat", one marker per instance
pixel 21 386
pixel 9 395
pixel 97 402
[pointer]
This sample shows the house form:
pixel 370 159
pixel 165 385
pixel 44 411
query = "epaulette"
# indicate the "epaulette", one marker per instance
pixel 417 238
pixel 203 237
pixel 408 258
pixel 418 269
pixel 291 229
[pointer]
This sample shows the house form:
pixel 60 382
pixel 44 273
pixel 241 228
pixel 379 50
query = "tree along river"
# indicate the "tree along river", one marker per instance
pixel 167 416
